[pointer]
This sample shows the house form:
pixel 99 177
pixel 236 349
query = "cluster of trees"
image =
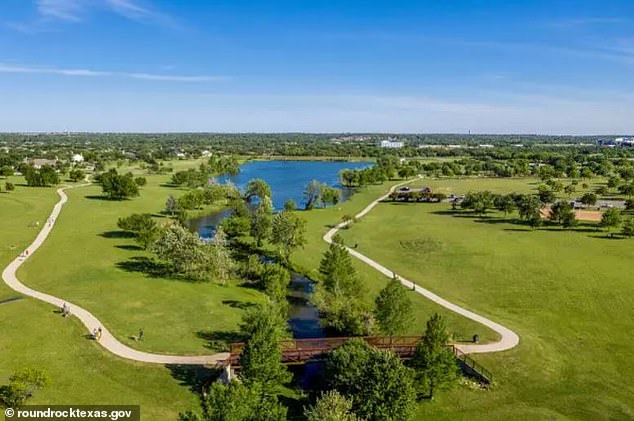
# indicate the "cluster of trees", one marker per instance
pixel 216 165
pixel 363 382
pixel 119 186
pixel 185 254
pixel 44 177
pixel 252 214
pixel 142 226
pixel 417 196
pixel 527 206
pixel 317 193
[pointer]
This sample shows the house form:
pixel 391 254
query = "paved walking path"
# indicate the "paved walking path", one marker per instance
pixel 107 340
pixel 509 339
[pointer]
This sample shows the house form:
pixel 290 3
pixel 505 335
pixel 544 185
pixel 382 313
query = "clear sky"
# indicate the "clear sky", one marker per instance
pixel 496 66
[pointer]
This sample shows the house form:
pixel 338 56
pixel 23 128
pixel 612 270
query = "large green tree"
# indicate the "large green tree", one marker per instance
pixel 393 309
pixel 288 233
pixel 118 186
pixel 261 359
pixel 339 294
pixel 262 220
pixel 377 382
pixel 331 406
pixel 611 219
pixel 435 363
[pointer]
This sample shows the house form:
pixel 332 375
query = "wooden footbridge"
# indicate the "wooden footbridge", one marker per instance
pixel 301 351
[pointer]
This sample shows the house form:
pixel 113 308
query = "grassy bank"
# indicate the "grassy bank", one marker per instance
pixel 566 293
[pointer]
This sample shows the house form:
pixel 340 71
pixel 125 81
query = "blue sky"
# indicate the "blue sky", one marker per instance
pixel 497 66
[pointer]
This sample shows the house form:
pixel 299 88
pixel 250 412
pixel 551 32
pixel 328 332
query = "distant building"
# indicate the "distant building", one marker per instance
pixel 77 158
pixel 391 144
pixel 619 141
pixel 38 163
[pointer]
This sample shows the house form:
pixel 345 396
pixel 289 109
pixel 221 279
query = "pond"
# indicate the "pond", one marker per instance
pixel 287 180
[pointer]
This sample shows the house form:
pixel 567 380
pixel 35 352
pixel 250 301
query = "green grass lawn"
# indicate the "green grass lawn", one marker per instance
pixel 87 262
pixel 81 372
pixel 307 259
pixel 568 294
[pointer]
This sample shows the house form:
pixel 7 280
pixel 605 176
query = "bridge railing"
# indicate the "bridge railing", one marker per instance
pixel 297 351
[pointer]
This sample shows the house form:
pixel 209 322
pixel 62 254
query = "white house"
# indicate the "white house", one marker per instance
pixel 391 144
pixel 77 158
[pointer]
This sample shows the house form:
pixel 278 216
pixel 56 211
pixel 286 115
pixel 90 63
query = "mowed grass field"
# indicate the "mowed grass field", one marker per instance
pixel 86 261
pixel 568 294
pixel 81 372
pixel 307 260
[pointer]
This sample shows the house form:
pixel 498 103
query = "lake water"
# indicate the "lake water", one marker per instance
pixel 287 180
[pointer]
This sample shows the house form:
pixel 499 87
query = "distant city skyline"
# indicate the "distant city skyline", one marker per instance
pixel 494 67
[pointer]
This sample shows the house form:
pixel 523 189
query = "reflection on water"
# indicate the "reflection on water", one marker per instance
pixel 303 316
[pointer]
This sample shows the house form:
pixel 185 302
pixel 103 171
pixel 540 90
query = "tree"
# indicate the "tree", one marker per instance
pixel 435 364
pixel 628 227
pixel 378 384
pixel 9 186
pixel 262 220
pixel 504 203
pixel 331 406
pixel 546 195
pixel 627 189
pixel 257 188
pixel 171 205
pixel 339 294
pixel 589 199
pixel 611 218
pixel 143 226
pixel 117 186
pixel 275 279
pixel 182 251
pixel 288 233
pixel 570 189
pixel 6 171
pixel 43 177
pixel 21 387
pixel 561 211
pixel 393 309
pixel 220 259
pixel 140 181
pixel 76 175
pixel 479 202
pixel 312 194
pixel 602 190
pixel 239 402
pixel 528 206
pixel 261 358
pixel 290 205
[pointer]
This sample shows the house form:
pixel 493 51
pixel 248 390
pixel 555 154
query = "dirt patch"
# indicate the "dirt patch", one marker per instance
pixel 580 214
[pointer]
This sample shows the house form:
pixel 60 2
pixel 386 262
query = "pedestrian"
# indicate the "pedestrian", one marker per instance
pixel 140 334
pixel 94 333
pixel 26 252
pixel 99 333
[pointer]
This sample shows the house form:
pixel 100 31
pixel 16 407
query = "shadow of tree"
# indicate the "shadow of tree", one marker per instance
pixel 195 377
pixel 130 247
pixel 117 234
pixel 145 265
pixel 242 305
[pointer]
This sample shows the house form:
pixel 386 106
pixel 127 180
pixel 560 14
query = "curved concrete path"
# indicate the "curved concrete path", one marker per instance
pixel 108 341
pixel 509 339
